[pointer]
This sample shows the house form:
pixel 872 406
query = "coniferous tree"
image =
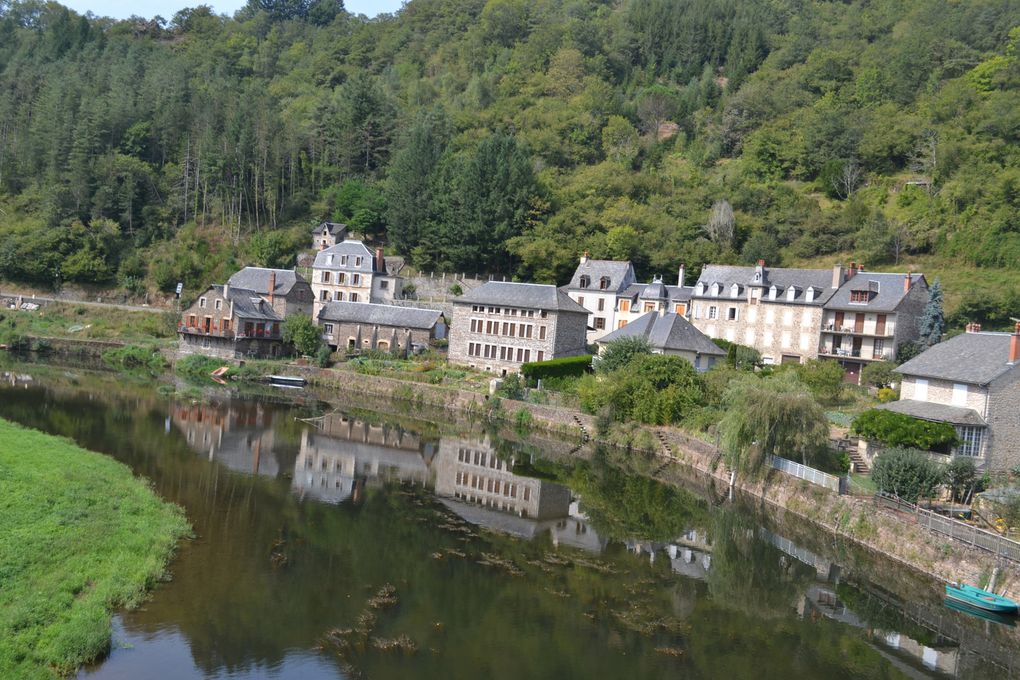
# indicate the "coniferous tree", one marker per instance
pixel 933 322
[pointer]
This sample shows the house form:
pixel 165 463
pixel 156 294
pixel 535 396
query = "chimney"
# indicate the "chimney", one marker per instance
pixel 682 275
pixel 973 327
pixel 906 282
pixel 584 257
pixel 226 291
pixel 1014 345
pixel 380 261
pixel 838 276
pixel 272 285
pixel 851 271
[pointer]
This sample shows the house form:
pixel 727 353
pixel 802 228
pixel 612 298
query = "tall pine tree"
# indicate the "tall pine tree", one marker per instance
pixel 933 321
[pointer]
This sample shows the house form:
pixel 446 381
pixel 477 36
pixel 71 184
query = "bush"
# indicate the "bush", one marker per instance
pixel 301 332
pixel 133 357
pixel 823 377
pixel 323 356
pixel 879 374
pixel 456 290
pixel 887 394
pixel 907 473
pixel 557 368
pixel 512 387
pixel 960 476
pixel 738 356
pixel 652 388
pixel 898 430
pixel 619 353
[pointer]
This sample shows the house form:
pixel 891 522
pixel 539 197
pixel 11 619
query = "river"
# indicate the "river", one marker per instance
pixel 347 543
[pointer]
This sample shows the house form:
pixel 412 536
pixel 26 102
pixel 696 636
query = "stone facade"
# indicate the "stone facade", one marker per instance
pixel 502 338
pixel 783 333
pixel 1003 445
pixel 356 336
pixel 350 272
pixel 231 324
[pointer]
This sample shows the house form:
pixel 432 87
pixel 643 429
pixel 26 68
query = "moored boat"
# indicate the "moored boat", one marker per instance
pixel 287 380
pixel 980 599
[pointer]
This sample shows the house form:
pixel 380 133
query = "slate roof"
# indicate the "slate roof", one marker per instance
pixel 927 410
pixel 887 298
pixel 332 227
pixel 530 295
pixel 620 273
pixel 330 258
pixel 380 315
pixel 656 290
pixel 782 278
pixel 250 305
pixel 666 332
pixel 636 291
pixel 974 358
pixel 257 279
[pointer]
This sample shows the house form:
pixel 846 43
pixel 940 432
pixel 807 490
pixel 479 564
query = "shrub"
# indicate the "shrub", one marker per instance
pixel 960 475
pixel 907 473
pixel 512 387
pixel 456 290
pixel 619 353
pixel 823 377
pixel 887 394
pixel 301 332
pixel 738 356
pixel 652 388
pixel 323 356
pixel 899 430
pixel 133 357
pixel 557 368
pixel 879 374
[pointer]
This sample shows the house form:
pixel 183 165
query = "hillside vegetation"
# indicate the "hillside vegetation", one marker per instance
pixel 506 136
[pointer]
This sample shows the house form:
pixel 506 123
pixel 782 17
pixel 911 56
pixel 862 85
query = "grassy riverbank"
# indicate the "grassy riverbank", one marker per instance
pixel 82 537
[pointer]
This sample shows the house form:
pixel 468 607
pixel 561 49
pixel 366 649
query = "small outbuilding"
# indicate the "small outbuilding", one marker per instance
pixel 670 334
pixel 356 326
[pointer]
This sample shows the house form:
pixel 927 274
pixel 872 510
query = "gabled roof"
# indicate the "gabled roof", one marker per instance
pixel 331 257
pixel 257 279
pixel 529 295
pixel 667 332
pixel 887 291
pixel 973 358
pixel 249 304
pixel 620 274
pixel 781 278
pixel 380 315
pixel 333 228
pixel 927 410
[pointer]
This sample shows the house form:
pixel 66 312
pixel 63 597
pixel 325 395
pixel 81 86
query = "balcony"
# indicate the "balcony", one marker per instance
pixel 848 353
pixel 197 330
pixel 851 330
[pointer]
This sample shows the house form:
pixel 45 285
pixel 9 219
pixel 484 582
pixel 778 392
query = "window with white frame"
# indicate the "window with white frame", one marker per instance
pixel 713 312
pixel 731 314
pixel 327 329
pixel 971 438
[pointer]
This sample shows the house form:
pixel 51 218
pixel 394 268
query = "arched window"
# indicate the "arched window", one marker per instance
pixel 585 281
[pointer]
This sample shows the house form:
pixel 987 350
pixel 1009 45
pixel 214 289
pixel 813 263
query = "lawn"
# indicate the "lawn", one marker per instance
pixel 87 322
pixel 81 537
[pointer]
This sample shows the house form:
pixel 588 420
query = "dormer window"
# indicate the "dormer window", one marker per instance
pixel 343 260
pixel 357 261
pixel 859 297
pixel 585 281
pixel 809 296
pixel 604 283
pixel 735 290
pixel 791 293
pixel 700 290
pixel 773 292
pixel 716 288
pixel 329 259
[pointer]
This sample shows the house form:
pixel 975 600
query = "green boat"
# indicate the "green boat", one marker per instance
pixel 980 599
pixel 1002 619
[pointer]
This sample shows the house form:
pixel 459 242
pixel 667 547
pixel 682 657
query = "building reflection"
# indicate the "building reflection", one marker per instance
pixel 240 435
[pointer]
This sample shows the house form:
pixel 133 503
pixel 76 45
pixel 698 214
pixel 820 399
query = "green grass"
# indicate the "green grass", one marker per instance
pixel 81 537
pixel 88 322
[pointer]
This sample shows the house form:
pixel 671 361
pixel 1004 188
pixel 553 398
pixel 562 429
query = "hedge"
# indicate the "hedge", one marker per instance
pixel 899 430
pixel 566 367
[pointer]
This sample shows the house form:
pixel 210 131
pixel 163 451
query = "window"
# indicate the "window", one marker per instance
pixel 341 278
pixel 600 323
pixel 357 261
pixel 731 314
pixel 339 296
pixel 680 308
pixel 327 328
pixel 541 356
pixel 218 304
pixel 858 296
pixel 355 279
pixel 623 322
pixel 921 389
pixel 226 325
pixel 354 297
pixel 959 395
pixel 879 352
pixel 713 312
pixel 201 303
pixel 541 332
pixel 649 306
pixel 580 300
pixel 343 260
pixel 324 295
pixel 192 321
pixel 585 281
pixel 325 277
pixel 971 439
pixel 602 304
pixel 624 305
pixel 604 283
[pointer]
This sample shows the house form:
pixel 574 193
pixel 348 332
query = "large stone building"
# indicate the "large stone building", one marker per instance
pixel 971 381
pixel 350 272
pixel 286 291
pixel 609 290
pixel 793 315
pixel 501 325
pixel 671 334
pixel 231 323
pixel 387 328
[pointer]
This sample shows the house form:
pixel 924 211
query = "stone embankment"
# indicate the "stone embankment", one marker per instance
pixel 893 534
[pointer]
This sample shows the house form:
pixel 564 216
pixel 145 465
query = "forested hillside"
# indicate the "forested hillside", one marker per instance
pixel 506 136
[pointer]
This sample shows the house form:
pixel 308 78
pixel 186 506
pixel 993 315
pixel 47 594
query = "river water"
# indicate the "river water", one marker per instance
pixel 353 544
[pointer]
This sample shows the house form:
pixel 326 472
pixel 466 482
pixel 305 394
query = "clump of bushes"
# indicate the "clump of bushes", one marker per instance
pixel 557 368
pixel 651 388
pixel 134 357
pixel 907 473
pixel 897 430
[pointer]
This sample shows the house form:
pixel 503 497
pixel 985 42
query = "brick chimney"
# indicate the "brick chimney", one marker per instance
pixel 838 276
pixel 906 282
pixel 682 275
pixel 1014 345
pixel 973 327
pixel 380 261
pixel 272 285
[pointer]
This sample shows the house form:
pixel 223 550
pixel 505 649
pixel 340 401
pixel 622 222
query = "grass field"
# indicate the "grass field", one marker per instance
pixel 81 537
pixel 88 322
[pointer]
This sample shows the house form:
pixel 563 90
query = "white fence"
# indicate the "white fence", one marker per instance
pixel 806 473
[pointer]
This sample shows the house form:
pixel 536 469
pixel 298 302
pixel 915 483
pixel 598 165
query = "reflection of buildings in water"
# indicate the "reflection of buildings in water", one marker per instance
pixel 239 436
pixel 575 531
pixel 342 454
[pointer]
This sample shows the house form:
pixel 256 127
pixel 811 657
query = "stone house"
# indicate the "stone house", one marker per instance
pixel 286 291
pixel 350 272
pixel 328 234
pixel 501 325
pixel 671 334
pixel 231 323
pixel 971 381
pixel 870 317
pixel 366 326
pixel 609 290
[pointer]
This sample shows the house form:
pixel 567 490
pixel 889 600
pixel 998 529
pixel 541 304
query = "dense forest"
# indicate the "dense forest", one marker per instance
pixel 505 136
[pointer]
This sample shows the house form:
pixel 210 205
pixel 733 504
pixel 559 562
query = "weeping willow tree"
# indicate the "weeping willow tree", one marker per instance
pixel 772 416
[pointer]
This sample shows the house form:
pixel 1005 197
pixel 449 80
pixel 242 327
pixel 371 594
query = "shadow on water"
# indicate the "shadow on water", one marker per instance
pixel 354 544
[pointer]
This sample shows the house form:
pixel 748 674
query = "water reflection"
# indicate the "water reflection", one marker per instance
pixel 565 571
